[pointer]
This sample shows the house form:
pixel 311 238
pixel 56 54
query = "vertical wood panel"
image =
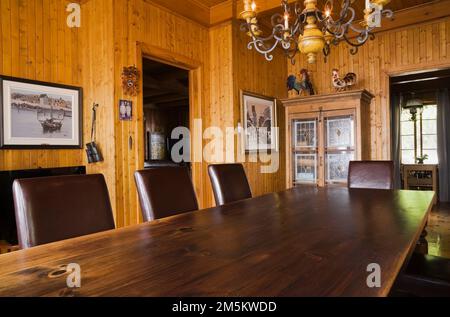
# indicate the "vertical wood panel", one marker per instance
pixel 140 22
pixel 30 49
pixel 253 73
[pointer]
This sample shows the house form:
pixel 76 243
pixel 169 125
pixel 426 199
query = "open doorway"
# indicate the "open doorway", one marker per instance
pixel 166 107
pixel 420 128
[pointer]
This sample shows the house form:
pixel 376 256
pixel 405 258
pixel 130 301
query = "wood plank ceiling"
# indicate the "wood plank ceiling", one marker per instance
pixel 209 12
pixel 165 85
pixel 358 5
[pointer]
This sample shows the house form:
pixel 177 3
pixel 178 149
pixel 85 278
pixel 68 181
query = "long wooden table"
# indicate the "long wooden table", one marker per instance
pixel 301 242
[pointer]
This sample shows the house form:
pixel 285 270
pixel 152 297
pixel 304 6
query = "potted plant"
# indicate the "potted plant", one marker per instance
pixel 422 159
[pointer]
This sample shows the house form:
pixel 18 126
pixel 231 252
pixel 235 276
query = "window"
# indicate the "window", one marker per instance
pixel 419 138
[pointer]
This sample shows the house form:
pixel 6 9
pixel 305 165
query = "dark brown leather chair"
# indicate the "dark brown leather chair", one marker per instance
pixel 229 183
pixel 371 174
pixel 165 191
pixel 50 209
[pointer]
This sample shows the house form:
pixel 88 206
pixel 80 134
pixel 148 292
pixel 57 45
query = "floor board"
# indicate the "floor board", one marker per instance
pixel 439 231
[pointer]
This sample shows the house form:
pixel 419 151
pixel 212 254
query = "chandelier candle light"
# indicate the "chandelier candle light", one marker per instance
pixel 310 30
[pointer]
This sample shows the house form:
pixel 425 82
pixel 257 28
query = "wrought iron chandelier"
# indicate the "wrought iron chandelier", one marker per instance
pixel 310 30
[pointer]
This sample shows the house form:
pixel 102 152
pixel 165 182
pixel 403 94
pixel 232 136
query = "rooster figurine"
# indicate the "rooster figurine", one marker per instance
pixel 341 84
pixel 300 86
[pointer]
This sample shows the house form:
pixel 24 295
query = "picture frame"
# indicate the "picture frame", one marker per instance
pixel 40 115
pixel 259 122
pixel 125 110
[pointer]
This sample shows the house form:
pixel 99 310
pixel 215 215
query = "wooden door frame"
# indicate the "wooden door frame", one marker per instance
pixel 196 98
pixel 399 71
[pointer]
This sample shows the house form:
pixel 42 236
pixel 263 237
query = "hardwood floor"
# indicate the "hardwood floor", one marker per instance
pixel 439 231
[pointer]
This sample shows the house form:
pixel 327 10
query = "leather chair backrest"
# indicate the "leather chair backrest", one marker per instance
pixel 371 174
pixel 229 183
pixel 165 192
pixel 50 209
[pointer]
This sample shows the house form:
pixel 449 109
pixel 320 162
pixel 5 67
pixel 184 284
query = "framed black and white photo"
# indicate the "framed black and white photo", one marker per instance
pixel 39 115
pixel 259 121
pixel 125 110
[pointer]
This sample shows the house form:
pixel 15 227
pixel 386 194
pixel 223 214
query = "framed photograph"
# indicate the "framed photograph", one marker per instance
pixel 125 110
pixel 38 115
pixel 259 120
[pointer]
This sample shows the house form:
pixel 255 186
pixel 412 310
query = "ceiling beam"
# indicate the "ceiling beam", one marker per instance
pixel 402 18
pixel 222 12
pixel 173 87
pixel 261 5
pixel 190 9
pixel 165 99
pixel 416 15
pixel 228 9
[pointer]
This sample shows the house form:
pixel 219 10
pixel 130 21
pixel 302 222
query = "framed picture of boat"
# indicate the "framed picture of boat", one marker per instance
pixel 38 115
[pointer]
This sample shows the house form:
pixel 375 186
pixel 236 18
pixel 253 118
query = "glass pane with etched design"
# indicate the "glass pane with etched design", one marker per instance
pixel 305 134
pixel 340 132
pixel 305 168
pixel 337 166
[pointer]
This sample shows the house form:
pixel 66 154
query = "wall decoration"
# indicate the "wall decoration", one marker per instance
pixel 259 121
pixel 39 115
pixel 130 81
pixel 304 85
pixel 342 84
pixel 125 110
pixel 94 155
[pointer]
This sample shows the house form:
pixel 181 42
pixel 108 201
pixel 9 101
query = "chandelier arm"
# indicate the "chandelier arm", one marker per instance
pixel 387 13
pixel 342 26
pixel 248 27
pixel 298 8
pixel 344 8
pixel 355 46
pixel 257 44
pixel 279 20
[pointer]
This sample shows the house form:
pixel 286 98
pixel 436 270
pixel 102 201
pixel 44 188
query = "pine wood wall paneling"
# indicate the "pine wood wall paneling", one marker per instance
pixel 413 48
pixel 97 63
pixel 36 44
pixel 140 22
pixel 221 112
pixel 253 73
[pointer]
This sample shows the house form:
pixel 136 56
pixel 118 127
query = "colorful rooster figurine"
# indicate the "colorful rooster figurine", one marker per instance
pixel 300 86
pixel 342 84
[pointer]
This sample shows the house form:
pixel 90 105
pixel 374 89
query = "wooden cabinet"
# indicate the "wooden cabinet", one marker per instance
pixel 324 133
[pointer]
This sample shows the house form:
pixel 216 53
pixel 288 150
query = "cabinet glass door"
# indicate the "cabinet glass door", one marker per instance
pixel 339 147
pixel 305 150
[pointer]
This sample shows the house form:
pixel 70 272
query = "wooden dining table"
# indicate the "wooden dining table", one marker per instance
pixel 304 241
